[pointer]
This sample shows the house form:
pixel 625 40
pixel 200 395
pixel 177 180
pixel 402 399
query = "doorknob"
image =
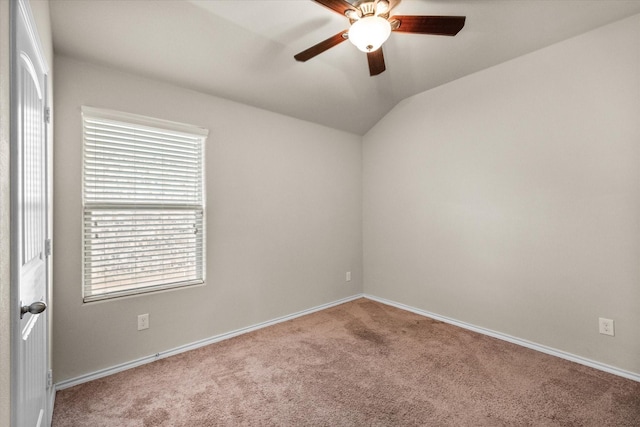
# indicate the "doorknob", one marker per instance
pixel 35 308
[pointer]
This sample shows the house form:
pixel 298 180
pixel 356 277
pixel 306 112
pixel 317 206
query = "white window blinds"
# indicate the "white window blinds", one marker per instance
pixel 143 202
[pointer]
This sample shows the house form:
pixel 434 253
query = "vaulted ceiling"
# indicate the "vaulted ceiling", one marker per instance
pixel 243 50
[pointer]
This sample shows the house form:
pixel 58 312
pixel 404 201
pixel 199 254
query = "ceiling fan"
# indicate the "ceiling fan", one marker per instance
pixel 371 26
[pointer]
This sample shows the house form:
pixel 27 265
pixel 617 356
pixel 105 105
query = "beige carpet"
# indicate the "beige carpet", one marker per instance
pixel 357 364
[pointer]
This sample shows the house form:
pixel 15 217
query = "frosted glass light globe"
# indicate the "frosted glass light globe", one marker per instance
pixel 368 33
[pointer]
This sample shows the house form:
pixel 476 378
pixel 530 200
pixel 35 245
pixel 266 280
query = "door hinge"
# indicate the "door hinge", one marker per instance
pixel 47 247
pixel 47 114
pixel 49 378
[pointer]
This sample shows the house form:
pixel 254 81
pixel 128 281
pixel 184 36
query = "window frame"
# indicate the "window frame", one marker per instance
pixel 89 208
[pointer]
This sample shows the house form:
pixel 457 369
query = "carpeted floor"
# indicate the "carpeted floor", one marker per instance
pixel 357 364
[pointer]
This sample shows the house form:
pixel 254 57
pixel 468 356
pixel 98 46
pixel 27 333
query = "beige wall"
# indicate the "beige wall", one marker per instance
pixel 510 199
pixel 40 10
pixel 283 221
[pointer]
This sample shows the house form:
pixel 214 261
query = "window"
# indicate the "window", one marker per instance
pixel 143 204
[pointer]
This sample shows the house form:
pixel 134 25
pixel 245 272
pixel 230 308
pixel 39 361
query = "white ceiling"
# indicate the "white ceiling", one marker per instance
pixel 243 50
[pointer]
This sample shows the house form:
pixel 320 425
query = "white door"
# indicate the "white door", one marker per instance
pixel 29 220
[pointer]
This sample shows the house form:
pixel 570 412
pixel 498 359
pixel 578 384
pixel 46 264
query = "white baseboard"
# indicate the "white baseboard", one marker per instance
pixel 524 343
pixel 192 346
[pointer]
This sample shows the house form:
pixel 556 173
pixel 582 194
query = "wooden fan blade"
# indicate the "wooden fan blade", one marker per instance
pixel 376 62
pixel 321 47
pixel 338 6
pixel 438 25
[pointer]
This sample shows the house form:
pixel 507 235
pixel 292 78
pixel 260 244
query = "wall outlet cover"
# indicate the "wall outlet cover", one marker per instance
pixel 606 326
pixel 143 321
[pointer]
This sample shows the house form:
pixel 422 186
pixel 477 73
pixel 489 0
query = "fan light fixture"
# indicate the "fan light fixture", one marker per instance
pixel 369 33
pixel 371 25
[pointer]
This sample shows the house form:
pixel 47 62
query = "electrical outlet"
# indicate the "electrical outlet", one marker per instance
pixel 348 277
pixel 143 321
pixel 606 326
